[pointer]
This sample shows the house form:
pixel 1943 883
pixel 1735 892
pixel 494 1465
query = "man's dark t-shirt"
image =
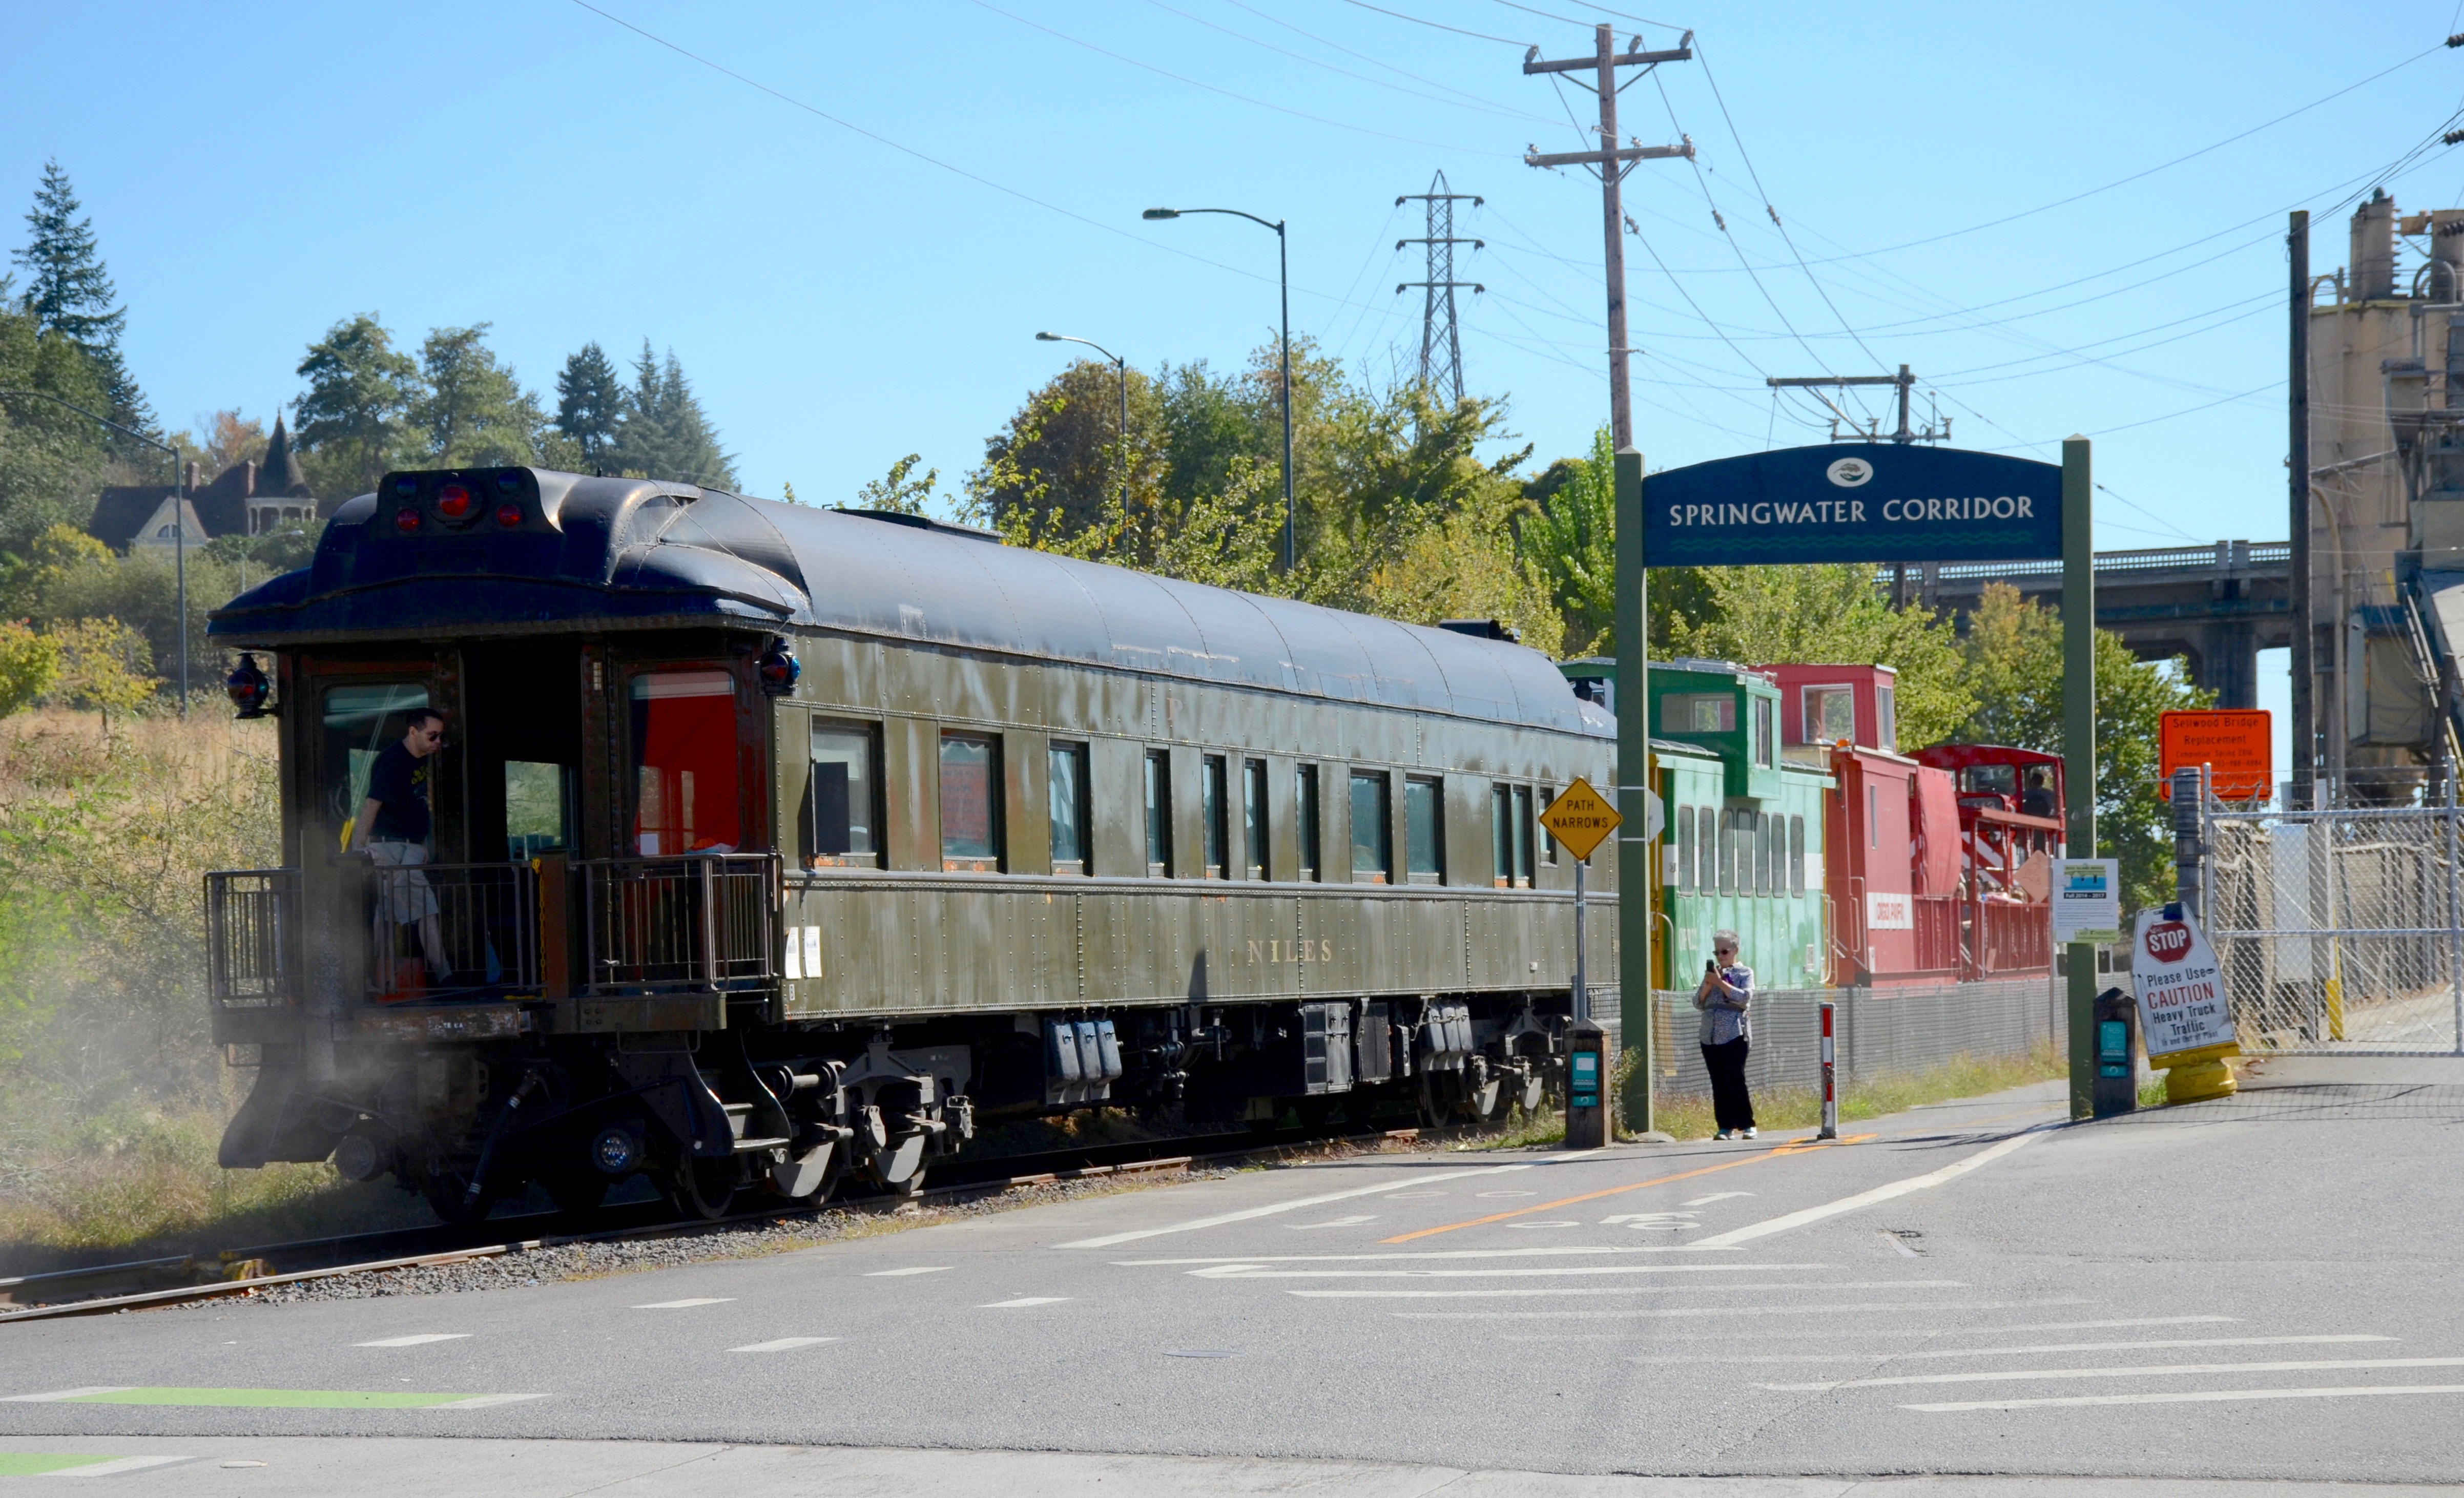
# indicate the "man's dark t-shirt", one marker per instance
pixel 399 786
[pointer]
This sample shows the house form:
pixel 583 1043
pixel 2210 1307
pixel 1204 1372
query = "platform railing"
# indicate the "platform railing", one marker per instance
pixel 253 930
pixel 702 922
pixel 484 936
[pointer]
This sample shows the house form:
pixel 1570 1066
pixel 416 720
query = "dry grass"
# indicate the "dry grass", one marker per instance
pixel 1688 1116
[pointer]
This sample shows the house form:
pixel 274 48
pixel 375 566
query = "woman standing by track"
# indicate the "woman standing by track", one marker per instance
pixel 1723 995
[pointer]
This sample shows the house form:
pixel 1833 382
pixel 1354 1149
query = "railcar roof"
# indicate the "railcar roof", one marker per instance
pixel 613 552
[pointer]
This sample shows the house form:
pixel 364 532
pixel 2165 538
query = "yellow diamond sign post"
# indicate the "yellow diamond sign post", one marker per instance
pixel 1581 820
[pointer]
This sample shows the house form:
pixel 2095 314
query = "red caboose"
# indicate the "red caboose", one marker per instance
pixel 1891 829
pixel 2010 829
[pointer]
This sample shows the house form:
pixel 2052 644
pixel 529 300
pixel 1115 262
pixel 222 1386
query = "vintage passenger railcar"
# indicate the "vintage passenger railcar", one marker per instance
pixel 773 844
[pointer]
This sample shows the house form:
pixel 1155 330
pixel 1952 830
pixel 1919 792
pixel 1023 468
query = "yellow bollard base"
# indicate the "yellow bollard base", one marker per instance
pixel 2195 1080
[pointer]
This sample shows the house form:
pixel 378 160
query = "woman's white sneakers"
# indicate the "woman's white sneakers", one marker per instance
pixel 1751 1133
pixel 1726 1133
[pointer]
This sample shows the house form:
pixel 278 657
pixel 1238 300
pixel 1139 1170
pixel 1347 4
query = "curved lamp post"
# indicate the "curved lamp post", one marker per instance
pixel 1283 268
pixel 1123 367
pixel 179 521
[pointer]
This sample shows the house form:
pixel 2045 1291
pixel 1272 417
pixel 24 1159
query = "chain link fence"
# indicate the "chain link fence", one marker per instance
pixel 2338 931
pixel 1877 1031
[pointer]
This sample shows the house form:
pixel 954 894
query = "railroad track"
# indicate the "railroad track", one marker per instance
pixel 144 1284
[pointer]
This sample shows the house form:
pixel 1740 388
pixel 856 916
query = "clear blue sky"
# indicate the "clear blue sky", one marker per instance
pixel 258 172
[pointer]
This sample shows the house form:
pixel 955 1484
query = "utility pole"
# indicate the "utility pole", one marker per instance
pixel 1938 432
pixel 1437 346
pixel 1612 162
pixel 2306 733
pixel 1635 851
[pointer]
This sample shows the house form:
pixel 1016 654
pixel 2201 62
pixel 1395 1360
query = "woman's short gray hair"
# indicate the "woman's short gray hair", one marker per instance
pixel 1725 937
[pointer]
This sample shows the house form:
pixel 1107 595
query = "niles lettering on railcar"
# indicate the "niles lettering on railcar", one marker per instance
pixel 1292 951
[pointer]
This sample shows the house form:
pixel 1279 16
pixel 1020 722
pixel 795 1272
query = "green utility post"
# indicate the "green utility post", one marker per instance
pixel 2079 743
pixel 1635 848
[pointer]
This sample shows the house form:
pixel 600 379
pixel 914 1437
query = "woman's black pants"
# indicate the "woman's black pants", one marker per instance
pixel 1731 1106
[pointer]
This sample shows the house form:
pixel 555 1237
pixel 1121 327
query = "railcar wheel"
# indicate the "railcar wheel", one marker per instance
pixel 1438 1092
pixel 1484 1095
pixel 702 1188
pixel 449 1197
pixel 1534 1092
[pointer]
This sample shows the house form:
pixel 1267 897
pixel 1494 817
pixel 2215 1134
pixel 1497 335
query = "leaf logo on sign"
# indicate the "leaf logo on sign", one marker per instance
pixel 1849 473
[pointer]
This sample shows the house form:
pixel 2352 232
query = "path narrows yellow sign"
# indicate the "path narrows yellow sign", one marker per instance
pixel 1581 819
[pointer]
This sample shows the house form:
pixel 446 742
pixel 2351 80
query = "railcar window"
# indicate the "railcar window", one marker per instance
pixel 1525 824
pixel 1796 855
pixel 538 808
pixel 359 721
pixel 1372 828
pixel 1719 846
pixel 1546 797
pixel 1886 719
pixel 1763 734
pixel 1873 816
pixel 1304 813
pixel 1501 836
pixel 1212 794
pixel 1766 864
pixel 1708 848
pixel 1424 830
pixel 1158 814
pixel 970 802
pixel 846 777
pixel 1067 792
pixel 1830 714
pixel 1253 815
pixel 1685 848
pixel 684 763
pixel 1699 712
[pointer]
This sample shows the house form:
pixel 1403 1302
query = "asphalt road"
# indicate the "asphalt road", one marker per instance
pixel 2264 1288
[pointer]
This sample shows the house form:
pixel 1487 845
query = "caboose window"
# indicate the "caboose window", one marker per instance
pixel 1763 734
pixel 684 763
pixel 1796 855
pixel 1424 831
pixel 1685 850
pixel 846 757
pixel 358 722
pixel 1067 793
pixel 1707 849
pixel 1886 719
pixel 1372 828
pixel 1212 794
pixel 1830 714
pixel 1699 712
pixel 970 802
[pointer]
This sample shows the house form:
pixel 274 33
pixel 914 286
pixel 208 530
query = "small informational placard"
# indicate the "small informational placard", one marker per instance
pixel 2086 900
pixel 2182 1004
pixel 2236 744
pixel 1580 818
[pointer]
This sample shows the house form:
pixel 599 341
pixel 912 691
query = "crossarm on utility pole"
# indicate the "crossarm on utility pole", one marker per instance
pixel 1532 63
pixel 1628 153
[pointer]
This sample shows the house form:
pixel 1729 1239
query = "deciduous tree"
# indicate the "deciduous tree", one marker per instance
pixel 472 410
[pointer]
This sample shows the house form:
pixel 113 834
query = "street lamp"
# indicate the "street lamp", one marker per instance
pixel 1123 365
pixel 1284 273
pixel 179 522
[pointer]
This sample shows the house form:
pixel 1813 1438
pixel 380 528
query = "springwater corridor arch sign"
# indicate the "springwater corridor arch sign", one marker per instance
pixel 1852 503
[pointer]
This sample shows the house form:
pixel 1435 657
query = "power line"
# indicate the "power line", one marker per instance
pixel 1380 62
pixel 1435 25
pixel 1183 78
pixel 1465 101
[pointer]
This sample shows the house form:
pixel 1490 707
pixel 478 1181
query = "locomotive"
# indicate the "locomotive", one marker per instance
pixel 777 847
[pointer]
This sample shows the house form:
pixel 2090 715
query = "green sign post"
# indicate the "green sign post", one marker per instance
pixel 1845 502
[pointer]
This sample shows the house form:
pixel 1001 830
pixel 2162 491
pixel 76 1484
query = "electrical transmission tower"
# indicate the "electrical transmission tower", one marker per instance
pixel 1441 342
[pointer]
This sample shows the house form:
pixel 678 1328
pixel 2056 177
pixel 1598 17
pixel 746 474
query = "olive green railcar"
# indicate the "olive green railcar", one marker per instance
pixel 778 844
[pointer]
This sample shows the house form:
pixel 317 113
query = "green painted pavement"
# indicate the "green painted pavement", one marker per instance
pixel 36 1464
pixel 273 1398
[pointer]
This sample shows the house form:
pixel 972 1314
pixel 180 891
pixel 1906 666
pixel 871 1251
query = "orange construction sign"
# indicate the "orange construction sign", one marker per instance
pixel 2237 744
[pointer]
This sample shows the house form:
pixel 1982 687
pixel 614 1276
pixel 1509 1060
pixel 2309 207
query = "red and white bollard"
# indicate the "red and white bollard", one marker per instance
pixel 1830 1079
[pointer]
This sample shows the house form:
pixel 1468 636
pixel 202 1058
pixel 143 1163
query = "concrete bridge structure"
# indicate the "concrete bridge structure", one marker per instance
pixel 2219 605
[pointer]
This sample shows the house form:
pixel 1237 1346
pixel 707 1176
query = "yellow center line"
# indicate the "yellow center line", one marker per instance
pixel 1798 1147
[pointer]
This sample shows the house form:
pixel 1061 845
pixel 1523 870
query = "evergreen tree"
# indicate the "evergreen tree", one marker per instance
pixel 474 412
pixel 590 402
pixel 666 434
pixel 353 420
pixel 70 295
